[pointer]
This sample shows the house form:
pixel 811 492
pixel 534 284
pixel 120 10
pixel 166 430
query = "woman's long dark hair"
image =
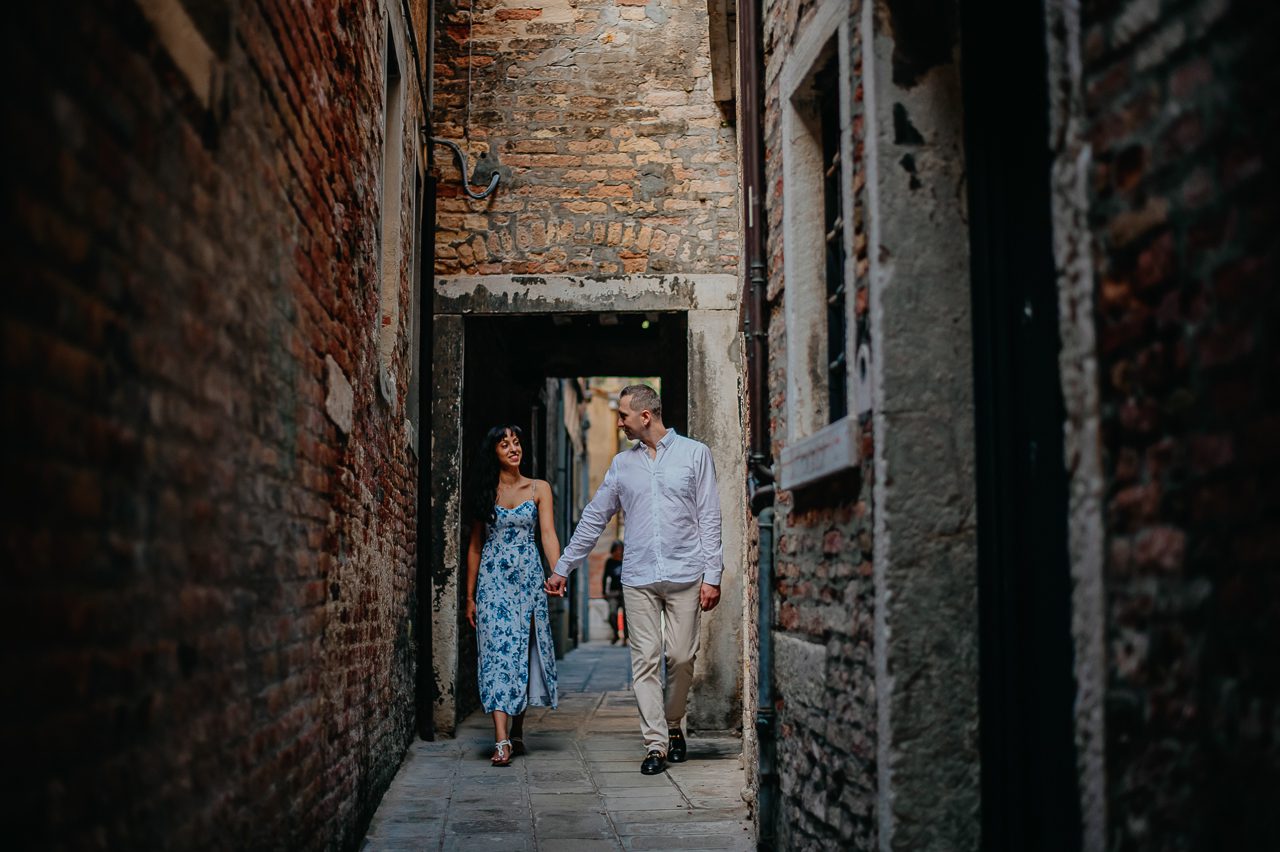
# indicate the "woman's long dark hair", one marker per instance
pixel 484 474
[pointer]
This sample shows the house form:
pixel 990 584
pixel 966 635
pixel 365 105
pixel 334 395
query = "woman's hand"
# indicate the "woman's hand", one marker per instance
pixel 471 611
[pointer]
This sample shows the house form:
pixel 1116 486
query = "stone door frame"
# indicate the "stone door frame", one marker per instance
pixel 715 382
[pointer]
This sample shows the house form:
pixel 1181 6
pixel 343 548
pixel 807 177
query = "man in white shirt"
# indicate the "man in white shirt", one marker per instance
pixel 666 485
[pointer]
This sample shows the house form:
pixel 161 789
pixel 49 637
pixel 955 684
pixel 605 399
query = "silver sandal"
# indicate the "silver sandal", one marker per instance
pixel 501 753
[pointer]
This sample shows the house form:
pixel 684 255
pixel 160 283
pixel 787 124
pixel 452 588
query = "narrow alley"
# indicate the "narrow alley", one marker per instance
pixel 922 355
pixel 577 789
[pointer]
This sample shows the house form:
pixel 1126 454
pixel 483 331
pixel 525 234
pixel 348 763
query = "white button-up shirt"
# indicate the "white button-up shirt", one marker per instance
pixel 672 508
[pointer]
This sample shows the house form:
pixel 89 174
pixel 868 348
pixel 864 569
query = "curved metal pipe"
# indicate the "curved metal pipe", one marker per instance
pixel 462 167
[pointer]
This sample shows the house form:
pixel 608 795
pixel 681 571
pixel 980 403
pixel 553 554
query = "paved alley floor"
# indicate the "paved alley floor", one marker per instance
pixel 579 787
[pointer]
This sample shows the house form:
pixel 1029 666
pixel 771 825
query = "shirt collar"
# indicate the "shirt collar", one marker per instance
pixel 666 442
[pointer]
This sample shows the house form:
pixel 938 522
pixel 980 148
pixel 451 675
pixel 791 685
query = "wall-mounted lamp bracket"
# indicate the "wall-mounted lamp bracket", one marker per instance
pixel 462 167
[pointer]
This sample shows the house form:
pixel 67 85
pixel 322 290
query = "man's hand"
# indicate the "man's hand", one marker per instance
pixel 709 596
pixel 555 585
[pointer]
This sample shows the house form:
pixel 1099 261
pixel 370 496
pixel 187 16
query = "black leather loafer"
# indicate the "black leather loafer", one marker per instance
pixel 653 764
pixel 676 751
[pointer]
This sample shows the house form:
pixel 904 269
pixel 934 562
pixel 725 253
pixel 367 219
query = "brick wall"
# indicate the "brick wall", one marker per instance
pixel 615 157
pixel 207 592
pixel 1180 115
pixel 824 594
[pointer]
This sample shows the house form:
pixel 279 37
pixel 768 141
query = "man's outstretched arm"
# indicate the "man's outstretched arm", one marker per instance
pixel 595 517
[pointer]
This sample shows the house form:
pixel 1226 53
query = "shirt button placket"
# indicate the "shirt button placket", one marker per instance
pixel 657 517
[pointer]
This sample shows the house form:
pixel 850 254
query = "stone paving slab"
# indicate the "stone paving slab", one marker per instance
pixel 574 844
pixel 649 826
pixel 716 842
pixel 681 821
pixel 562 824
pixel 490 842
pixel 565 801
pixel 621 805
pixel 578 790
pixel 637 792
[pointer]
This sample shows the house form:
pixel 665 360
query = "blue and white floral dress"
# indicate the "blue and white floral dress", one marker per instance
pixel 517 666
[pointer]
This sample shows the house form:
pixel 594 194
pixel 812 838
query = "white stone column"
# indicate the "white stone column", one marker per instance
pixel 716 419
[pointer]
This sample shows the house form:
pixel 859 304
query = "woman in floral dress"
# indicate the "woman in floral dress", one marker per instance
pixel 506 602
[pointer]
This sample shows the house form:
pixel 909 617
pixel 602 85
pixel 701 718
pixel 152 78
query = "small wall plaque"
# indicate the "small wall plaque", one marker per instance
pixel 339 402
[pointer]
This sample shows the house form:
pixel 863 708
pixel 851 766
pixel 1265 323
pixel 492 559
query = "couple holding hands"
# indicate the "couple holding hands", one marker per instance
pixel 666 485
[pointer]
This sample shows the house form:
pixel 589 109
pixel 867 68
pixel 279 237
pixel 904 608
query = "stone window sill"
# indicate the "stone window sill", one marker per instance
pixel 831 450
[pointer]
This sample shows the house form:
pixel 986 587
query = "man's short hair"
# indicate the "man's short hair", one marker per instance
pixel 643 398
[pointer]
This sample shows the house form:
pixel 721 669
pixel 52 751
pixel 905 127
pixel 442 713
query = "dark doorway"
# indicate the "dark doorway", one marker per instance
pixel 1030 797
pixel 515 369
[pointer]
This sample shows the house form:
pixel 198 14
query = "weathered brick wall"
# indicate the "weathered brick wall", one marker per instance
pixel 207 592
pixel 824 596
pixel 616 159
pixel 1179 103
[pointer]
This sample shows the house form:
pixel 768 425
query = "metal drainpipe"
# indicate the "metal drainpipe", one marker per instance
pixel 755 314
pixel 756 329
pixel 766 716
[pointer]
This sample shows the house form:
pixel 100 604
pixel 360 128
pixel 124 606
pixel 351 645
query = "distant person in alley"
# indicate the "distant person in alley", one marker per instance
pixel 505 600
pixel 611 587
pixel 666 485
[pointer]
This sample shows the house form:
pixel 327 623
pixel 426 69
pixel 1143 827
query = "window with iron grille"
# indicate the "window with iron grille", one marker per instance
pixel 817 145
pixel 826 85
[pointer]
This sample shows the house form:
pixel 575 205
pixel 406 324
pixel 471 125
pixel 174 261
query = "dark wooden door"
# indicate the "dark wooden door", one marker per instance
pixel 1030 797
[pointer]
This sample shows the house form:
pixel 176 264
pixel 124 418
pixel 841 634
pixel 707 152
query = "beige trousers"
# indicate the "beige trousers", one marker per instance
pixel 662 617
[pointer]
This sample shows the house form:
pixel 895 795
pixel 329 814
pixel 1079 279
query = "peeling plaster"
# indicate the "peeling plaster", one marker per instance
pixel 446 514
pixel 528 294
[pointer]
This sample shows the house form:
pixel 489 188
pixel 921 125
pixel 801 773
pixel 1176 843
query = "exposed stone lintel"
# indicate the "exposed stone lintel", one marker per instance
pixel 525 294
